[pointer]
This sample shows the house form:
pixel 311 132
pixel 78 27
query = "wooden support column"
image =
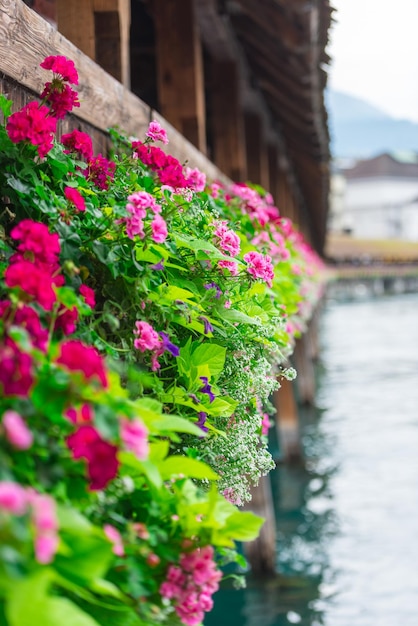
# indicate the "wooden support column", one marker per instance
pixel 287 422
pixel 304 365
pixel 100 29
pixel 257 161
pixel 261 553
pixel 227 121
pixel 180 76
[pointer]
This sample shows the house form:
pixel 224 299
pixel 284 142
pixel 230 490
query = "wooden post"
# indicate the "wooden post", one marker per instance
pixel 100 29
pixel 180 69
pixel 261 553
pixel 287 422
pixel 257 162
pixel 304 366
pixel 227 121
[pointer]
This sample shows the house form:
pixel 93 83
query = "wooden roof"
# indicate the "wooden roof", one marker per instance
pixel 281 49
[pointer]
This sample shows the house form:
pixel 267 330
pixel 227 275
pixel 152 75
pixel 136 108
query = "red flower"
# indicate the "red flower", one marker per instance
pixel 75 356
pixel 33 281
pixel 75 198
pixel 66 320
pixel 27 318
pixel 33 124
pixel 102 462
pixel 61 99
pixel 100 171
pixel 88 295
pixel 37 239
pixel 78 142
pixel 62 66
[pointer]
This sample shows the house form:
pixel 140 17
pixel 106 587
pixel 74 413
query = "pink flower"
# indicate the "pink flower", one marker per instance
pixel 259 266
pixel 265 424
pixel 78 142
pixel 159 229
pixel 13 498
pixel 101 456
pixel 156 133
pixel 134 435
pixel 88 295
pixel 227 304
pixel 33 124
pixel 232 266
pixel 16 431
pixel 46 545
pixel 115 538
pixel 62 66
pixel 147 338
pixel 140 201
pixel 75 198
pixel 196 179
pixel 76 356
pixel 226 238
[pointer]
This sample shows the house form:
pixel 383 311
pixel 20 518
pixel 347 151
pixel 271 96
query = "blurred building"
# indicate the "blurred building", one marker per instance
pixel 376 198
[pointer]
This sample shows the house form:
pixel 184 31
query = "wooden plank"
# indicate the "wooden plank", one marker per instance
pixel 287 422
pixel 256 149
pixel 261 553
pixel 180 77
pixel 227 120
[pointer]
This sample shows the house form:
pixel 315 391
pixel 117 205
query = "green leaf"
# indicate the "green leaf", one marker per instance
pixel 232 315
pixel 242 526
pixel 5 106
pixel 168 423
pixel 209 354
pixel 29 604
pixel 189 467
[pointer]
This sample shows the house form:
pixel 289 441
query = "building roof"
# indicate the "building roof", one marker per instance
pixel 393 165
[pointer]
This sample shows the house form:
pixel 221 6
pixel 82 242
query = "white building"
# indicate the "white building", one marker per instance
pixel 380 198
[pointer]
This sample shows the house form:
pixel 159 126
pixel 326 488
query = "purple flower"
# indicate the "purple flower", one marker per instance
pixel 168 345
pixel 214 286
pixel 207 388
pixel 194 398
pixel 208 326
pixel 201 421
pixel 158 266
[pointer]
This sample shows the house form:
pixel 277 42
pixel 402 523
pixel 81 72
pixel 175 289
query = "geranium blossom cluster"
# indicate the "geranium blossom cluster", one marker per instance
pixel 58 93
pixel 138 204
pixel 191 584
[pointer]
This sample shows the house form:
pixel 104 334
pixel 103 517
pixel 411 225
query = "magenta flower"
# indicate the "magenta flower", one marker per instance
pixel 196 179
pixel 76 356
pixel 147 338
pixel 62 66
pixel 101 456
pixel 159 229
pixel 16 375
pixel 78 142
pixel 16 430
pixel 75 198
pixel 231 266
pixel 34 125
pixel 259 265
pixel 156 133
pixel 88 295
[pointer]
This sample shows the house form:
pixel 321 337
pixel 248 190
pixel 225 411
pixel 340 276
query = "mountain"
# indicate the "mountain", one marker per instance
pixel 360 130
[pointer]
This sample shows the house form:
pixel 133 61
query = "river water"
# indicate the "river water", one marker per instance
pixel 347 519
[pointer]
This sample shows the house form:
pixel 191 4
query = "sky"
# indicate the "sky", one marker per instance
pixel 374 50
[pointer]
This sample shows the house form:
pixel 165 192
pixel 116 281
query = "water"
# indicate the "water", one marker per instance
pixel 348 519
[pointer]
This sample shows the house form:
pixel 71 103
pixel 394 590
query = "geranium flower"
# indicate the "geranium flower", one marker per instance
pixel 34 125
pixel 156 132
pixel 16 430
pixel 76 356
pixel 101 456
pixel 75 198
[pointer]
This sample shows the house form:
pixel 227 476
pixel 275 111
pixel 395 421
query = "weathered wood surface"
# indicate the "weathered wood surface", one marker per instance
pixel 261 552
pixel 287 422
pixel 104 101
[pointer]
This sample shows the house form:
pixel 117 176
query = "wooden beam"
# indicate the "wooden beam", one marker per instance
pixel 261 552
pixel 180 68
pixel 100 29
pixel 227 121
pixel 287 422
pixel 257 163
